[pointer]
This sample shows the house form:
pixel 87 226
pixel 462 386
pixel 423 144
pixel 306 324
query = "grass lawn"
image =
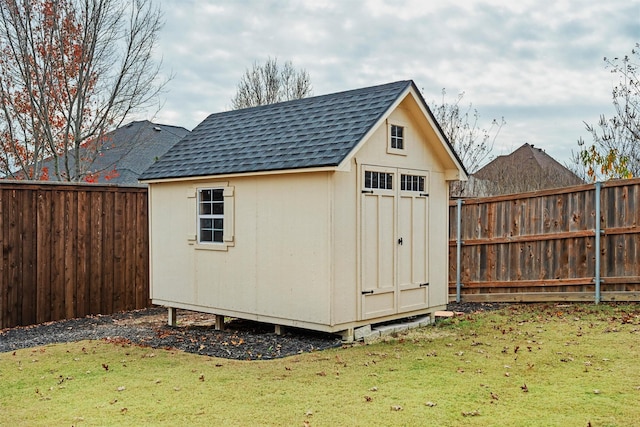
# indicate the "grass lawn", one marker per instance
pixel 525 365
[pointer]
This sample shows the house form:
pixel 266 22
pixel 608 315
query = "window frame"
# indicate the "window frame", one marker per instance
pixel 393 138
pixel 215 200
pixel 227 216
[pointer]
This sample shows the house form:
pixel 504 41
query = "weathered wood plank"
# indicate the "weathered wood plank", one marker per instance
pixel 108 264
pixel 44 247
pixel 545 240
pixel 97 261
pixel 59 253
pixel 70 252
pixel 83 255
pixel 28 281
pixel 4 291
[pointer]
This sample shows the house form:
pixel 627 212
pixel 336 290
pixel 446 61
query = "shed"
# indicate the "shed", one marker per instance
pixel 325 213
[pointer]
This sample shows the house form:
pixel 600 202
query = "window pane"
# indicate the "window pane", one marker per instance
pixel 205 208
pixel 367 179
pixel 218 208
pixel 389 181
pixel 206 223
pixel 217 224
pixel 206 236
pixel 218 195
pixel 374 181
pixel 217 236
pixel 205 195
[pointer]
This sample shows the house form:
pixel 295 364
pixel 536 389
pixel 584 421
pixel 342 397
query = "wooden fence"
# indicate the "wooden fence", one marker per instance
pixel 71 250
pixel 548 245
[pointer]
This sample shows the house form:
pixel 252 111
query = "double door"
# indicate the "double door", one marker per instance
pixel 394 241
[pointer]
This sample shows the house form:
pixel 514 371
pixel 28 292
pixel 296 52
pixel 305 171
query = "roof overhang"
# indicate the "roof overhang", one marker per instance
pixel 338 168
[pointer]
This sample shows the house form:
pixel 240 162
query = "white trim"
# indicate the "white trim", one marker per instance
pixel 228 216
pixel 339 168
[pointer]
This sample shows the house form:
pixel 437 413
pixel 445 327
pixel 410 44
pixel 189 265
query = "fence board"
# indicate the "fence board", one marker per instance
pixel 71 250
pixel 28 227
pixel 96 278
pixel 540 245
pixel 44 244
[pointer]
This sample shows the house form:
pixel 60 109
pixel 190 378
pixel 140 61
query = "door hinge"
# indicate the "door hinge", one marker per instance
pixel 400 241
pixel 367 191
pixel 424 284
pixel 424 194
pixel 367 292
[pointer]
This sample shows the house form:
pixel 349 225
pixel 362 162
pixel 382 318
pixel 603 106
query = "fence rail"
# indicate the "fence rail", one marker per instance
pixel 573 244
pixel 71 250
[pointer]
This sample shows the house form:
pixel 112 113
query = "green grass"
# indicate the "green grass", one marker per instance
pixel 579 364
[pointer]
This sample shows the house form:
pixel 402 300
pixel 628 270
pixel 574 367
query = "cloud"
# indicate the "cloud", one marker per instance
pixel 537 63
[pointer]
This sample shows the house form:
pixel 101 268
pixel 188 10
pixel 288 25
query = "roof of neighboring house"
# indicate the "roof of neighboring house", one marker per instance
pixel 130 150
pixel 306 133
pixel 527 162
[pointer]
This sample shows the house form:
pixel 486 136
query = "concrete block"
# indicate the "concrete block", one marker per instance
pixel 362 332
pixel 401 327
pixel 386 329
pixel 372 336
pixel 424 321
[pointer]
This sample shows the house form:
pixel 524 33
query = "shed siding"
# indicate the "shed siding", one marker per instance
pixel 345 295
pixel 279 263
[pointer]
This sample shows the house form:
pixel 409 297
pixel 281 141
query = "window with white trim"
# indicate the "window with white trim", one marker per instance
pixel 211 215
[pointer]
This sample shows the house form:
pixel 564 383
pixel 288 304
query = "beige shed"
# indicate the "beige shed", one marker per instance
pixel 326 213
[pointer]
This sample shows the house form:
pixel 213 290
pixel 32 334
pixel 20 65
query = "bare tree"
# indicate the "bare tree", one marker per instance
pixel 615 150
pixel 270 83
pixel 472 143
pixel 71 71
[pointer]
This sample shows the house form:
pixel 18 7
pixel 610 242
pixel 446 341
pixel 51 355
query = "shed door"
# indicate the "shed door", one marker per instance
pixel 394 241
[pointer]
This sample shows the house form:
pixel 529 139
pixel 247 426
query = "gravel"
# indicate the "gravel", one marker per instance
pixel 241 339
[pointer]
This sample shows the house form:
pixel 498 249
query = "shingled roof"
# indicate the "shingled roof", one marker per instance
pixel 129 150
pixel 312 132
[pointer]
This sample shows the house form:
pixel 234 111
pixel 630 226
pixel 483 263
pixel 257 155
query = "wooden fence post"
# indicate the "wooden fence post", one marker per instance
pixel 458 248
pixel 597 237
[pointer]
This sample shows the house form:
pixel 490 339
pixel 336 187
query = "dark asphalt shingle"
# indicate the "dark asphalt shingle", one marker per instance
pixel 305 133
pixel 130 150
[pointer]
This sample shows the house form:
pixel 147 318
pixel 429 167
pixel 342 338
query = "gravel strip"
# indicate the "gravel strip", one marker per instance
pixel 241 339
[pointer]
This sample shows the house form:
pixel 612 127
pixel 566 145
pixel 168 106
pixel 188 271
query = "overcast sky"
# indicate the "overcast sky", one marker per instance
pixel 539 64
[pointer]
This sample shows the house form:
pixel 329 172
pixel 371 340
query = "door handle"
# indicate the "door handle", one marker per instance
pixel 400 241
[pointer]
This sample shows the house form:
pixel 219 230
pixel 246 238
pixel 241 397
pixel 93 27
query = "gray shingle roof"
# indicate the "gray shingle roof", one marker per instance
pixel 305 133
pixel 130 150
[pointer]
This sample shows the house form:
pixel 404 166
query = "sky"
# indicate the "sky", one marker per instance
pixel 539 64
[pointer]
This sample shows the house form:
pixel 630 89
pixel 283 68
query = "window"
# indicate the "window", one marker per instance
pixel 211 215
pixel 411 182
pixel 379 180
pixel 397 137
pixel 212 209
